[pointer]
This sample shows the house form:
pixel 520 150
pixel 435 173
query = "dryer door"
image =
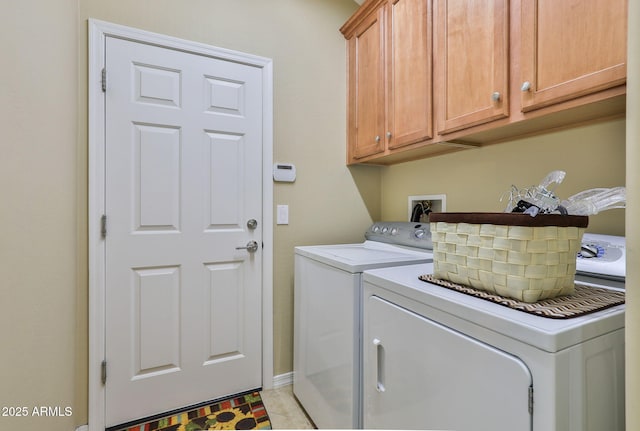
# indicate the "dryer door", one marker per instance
pixel 419 374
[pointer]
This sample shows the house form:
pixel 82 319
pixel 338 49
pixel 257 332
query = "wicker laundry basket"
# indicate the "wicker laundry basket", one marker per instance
pixel 510 254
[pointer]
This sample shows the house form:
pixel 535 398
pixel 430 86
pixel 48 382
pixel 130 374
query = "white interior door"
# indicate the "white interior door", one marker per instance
pixel 183 177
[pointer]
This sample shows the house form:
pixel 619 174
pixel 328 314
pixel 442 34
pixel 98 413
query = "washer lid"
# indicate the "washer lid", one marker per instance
pixel 356 258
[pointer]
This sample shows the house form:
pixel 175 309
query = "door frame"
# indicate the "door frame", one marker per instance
pixel 98 32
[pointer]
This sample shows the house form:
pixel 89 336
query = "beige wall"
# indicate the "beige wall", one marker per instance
pixel 43 168
pixel 43 171
pixel 633 228
pixel 38 209
pixel 474 180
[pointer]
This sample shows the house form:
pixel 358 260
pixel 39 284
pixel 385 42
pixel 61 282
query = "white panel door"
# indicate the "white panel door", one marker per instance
pixel 183 177
pixel 419 374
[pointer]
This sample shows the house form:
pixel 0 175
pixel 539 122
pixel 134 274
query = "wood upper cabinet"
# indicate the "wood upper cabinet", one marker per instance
pixel 389 76
pixel 571 48
pixel 367 88
pixel 409 109
pixel 471 62
pixel 485 71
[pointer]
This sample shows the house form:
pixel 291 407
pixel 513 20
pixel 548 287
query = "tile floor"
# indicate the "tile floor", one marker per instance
pixel 284 410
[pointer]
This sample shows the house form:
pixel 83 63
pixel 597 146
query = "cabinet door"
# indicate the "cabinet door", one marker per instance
pixel 409 117
pixel 366 88
pixel 419 374
pixel 472 45
pixel 571 48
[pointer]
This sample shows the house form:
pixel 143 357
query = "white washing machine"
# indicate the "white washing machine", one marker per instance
pixel 435 358
pixel 327 316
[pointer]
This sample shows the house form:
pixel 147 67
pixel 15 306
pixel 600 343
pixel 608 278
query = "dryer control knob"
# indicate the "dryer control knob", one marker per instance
pixel 419 233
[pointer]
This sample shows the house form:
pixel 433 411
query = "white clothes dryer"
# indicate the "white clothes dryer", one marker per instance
pixel 327 316
pixel 435 358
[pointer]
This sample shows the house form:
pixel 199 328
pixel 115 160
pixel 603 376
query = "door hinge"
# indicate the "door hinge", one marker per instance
pixel 103 226
pixel 104 80
pixel 103 372
pixel 530 400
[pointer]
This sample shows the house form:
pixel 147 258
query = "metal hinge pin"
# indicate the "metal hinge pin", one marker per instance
pixel 103 226
pixel 103 372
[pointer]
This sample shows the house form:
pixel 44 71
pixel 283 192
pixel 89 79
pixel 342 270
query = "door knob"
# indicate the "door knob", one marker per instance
pixel 251 247
pixel 252 224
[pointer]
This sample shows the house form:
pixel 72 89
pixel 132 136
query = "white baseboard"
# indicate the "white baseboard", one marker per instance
pixel 281 380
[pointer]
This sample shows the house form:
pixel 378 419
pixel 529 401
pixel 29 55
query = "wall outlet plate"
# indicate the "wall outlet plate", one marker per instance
pixel 282 216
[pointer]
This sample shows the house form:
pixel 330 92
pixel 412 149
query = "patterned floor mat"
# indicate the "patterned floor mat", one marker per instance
pixel 242 412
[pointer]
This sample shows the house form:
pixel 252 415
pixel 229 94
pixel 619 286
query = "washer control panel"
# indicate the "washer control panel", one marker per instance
pixel 602 255
pixel 410 234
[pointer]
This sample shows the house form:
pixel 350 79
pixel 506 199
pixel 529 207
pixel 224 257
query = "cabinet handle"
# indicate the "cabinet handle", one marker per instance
pixel 379 365
pixel 377 138
pixel 526 86
pixel 496 96
pixel 388 135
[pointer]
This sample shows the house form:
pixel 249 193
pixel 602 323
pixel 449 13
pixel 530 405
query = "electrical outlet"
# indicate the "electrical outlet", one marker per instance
pixel 419 206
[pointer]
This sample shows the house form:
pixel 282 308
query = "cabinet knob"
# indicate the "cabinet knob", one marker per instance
pixel 526 86
pixel 377 138
pixel 388 135
pixel 496 96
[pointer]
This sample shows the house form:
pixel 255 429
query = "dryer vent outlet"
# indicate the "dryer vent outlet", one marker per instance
pixel 420 206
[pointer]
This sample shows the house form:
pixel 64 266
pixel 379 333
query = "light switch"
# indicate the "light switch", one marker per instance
pixel 283 214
